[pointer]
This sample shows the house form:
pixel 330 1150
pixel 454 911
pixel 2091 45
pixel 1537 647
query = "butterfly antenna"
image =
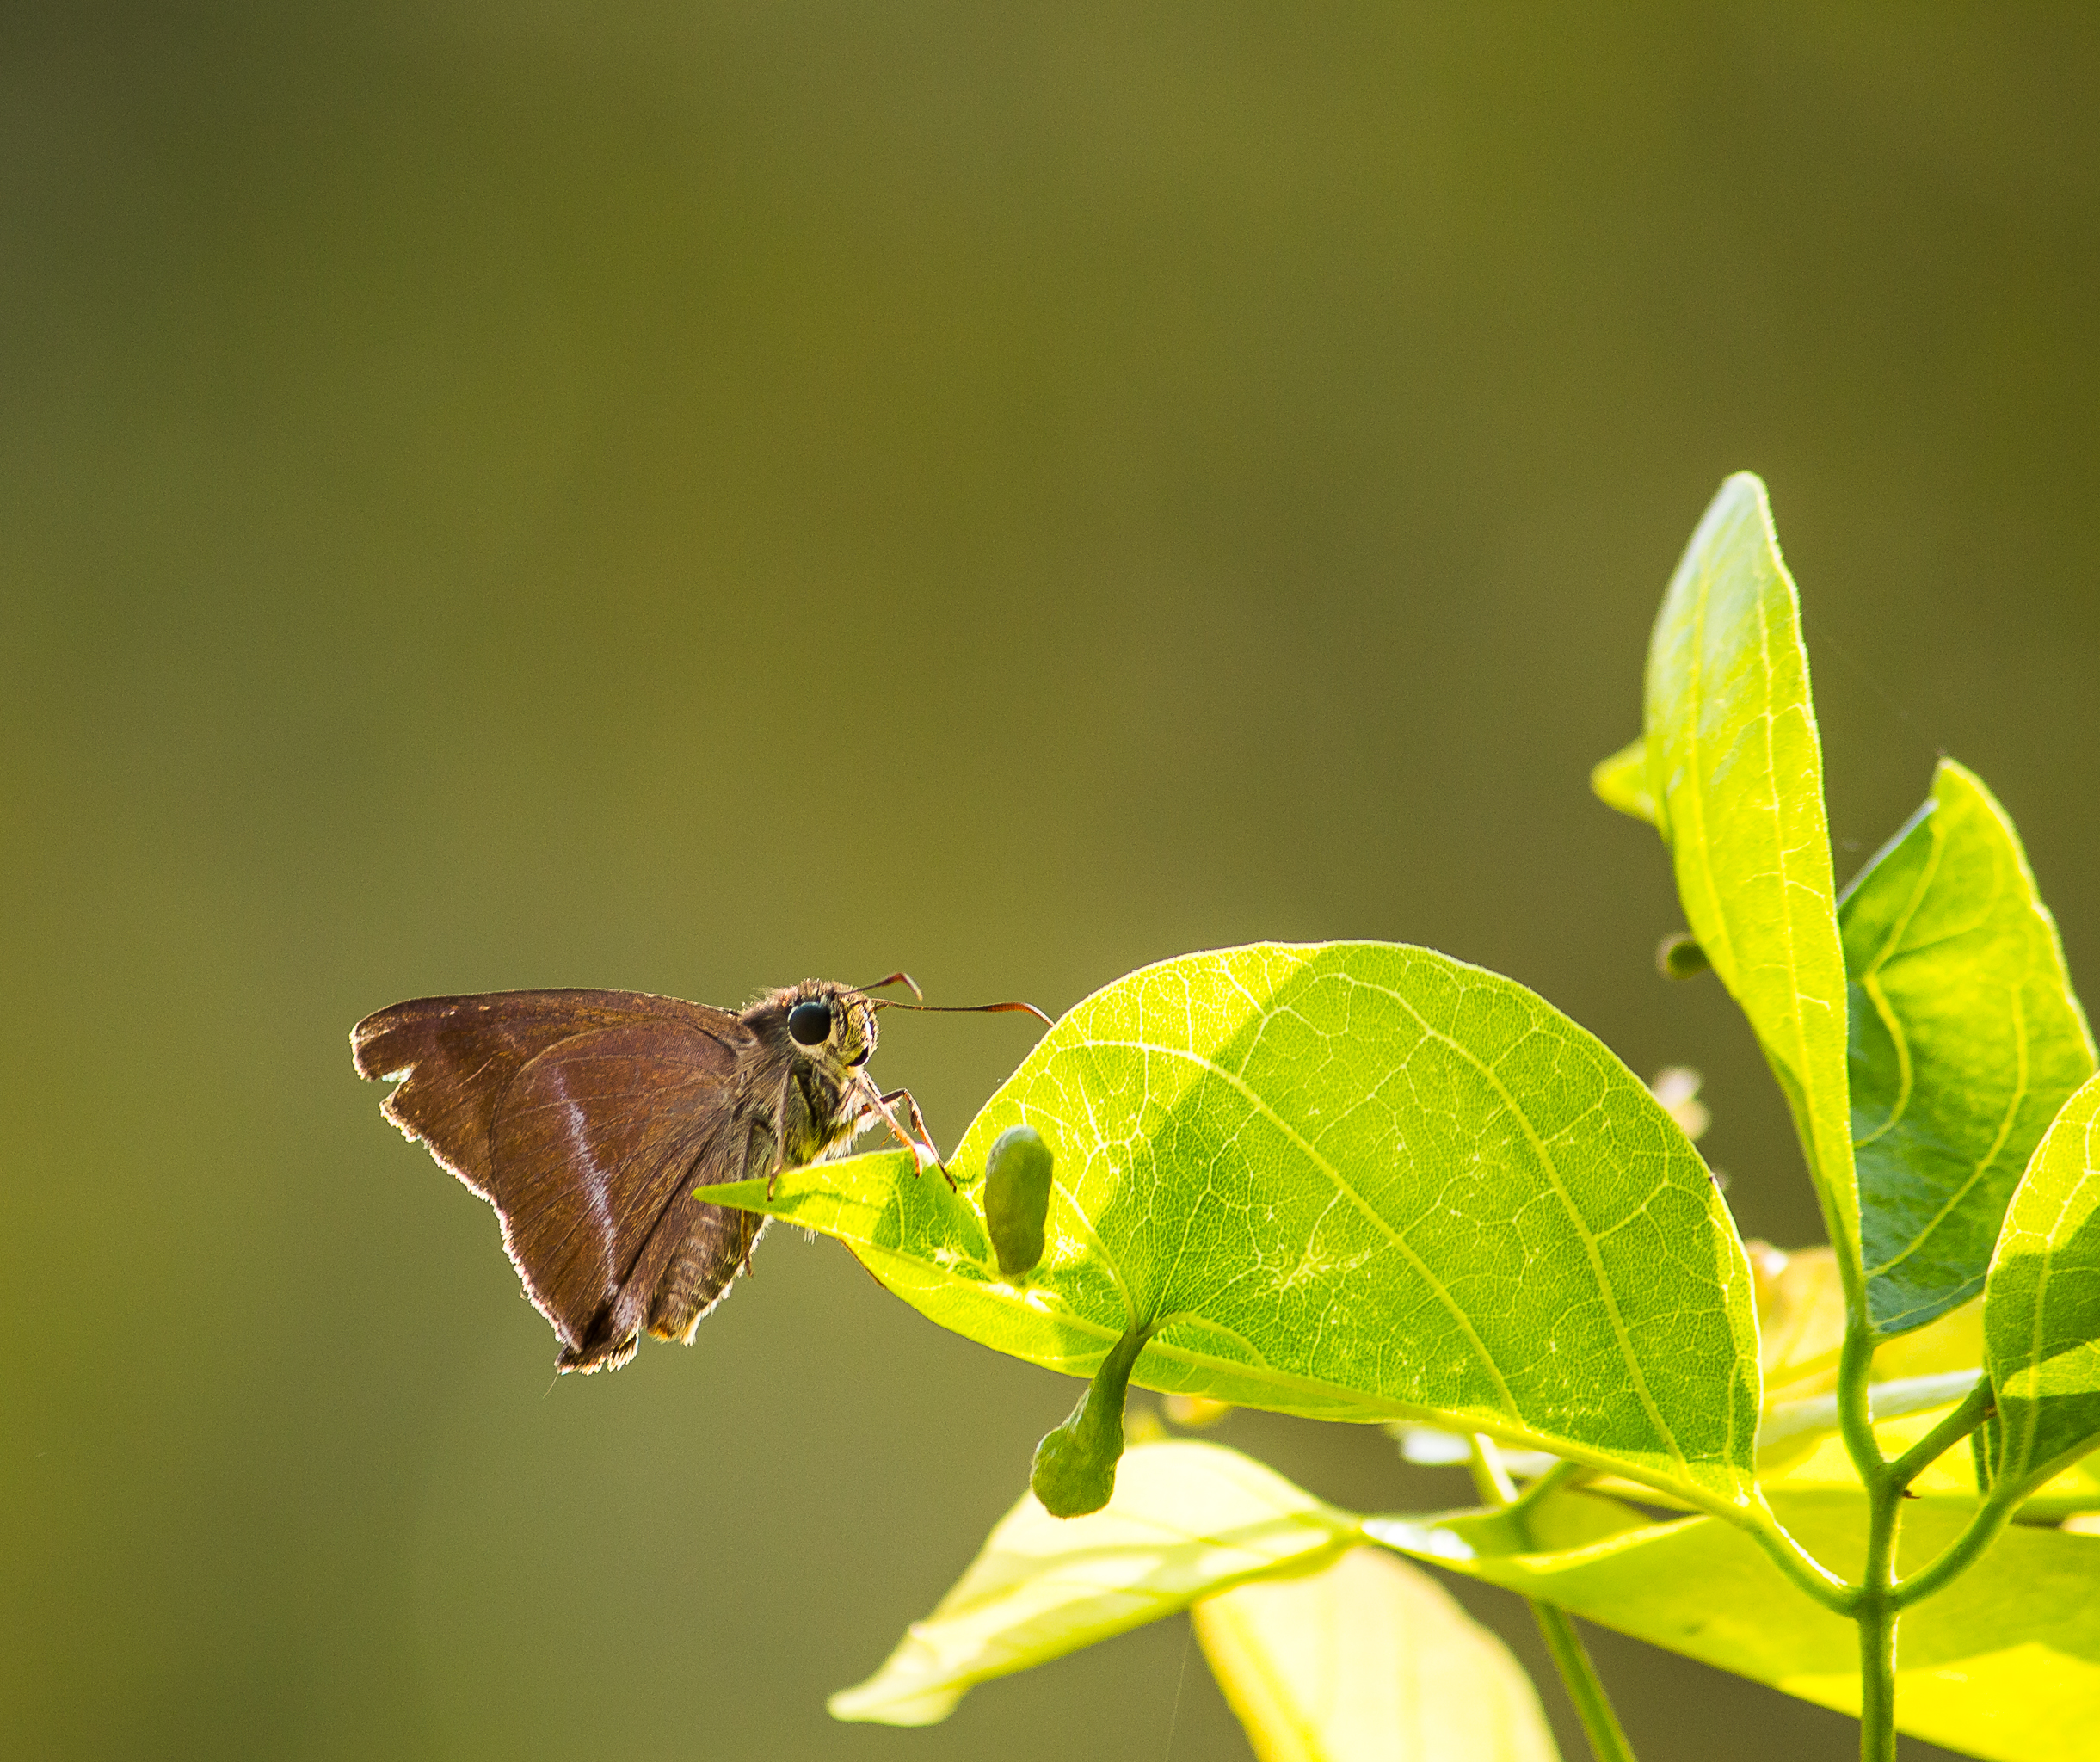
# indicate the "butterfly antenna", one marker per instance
pixel 904 979
pixel 965 1009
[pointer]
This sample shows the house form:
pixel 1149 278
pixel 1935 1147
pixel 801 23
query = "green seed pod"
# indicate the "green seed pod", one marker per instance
pixel 1074 1469
pixel 1017 1189
pixel 1678 956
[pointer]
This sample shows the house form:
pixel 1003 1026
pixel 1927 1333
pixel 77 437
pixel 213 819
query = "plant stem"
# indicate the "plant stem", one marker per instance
pixel 1950 1431
pixel 1558 1475
pixel 1586 1689
pixel 1873 1609
pixel 1957 1556
pixel 1875 1616
pixel 1600 1724
pixel 1855 1414
pixel 1803 1570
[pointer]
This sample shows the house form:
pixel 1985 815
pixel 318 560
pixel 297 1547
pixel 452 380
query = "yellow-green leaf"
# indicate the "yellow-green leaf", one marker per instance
pixel 1368 1660
pixel 2003 1664
pixel 1346 1180
pixel 1735 768
pixel 1966 1039
pixel 2041 1302
pixel 1187 1520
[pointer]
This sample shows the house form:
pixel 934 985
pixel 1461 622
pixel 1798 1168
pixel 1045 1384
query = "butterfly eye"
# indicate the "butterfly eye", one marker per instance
pixel 809 1023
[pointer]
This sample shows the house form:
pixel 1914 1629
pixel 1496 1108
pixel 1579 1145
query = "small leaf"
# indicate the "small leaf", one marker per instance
pixel 1966 1039
pixel 1368 1660
pixel 2041 1302
pixel 1622 782
pixel 1017 1190
pixel 1350 1180
pixel 1074 1469
pixel 2005 1663
pixel 1187 1520
pixel 1736 768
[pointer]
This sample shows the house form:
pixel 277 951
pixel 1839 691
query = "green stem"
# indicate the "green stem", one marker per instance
pixel 1873 1604
pixel 1957 1556
pixel 1558 1475
pixel 1600 1724
pixel 1854 1415
pixel 1586 1689
pixel 1943 1436
pixel 1875 1616
pixel 1803 1570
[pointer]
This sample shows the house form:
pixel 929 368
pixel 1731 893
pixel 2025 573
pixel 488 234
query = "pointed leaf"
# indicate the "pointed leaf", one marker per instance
pixel 1187 1520
pixel 1352 1181
pixel 1368 1660
pixel 2041 1302
pixel 1622 782
pixel 2005 1663
pixel 1966 1039
pixel 1736 768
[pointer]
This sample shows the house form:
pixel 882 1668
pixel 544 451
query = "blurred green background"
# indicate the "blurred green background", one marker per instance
pixel 688 496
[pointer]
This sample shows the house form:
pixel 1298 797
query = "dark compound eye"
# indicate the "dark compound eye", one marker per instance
pixel 809 1023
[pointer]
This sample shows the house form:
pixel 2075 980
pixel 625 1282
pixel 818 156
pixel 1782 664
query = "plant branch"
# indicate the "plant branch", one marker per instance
pixel 1803 1570
pixel 1974 1406
pixel 1586 1689
pixel 1558 1475
pixel 1957 1556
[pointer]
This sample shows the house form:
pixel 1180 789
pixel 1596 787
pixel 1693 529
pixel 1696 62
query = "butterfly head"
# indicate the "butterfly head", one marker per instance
pixel 825 1028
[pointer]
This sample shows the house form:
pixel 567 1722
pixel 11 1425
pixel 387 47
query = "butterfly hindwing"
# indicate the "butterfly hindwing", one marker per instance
pixel 596 1146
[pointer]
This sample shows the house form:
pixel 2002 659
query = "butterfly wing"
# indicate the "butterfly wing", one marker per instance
pixel 585 1118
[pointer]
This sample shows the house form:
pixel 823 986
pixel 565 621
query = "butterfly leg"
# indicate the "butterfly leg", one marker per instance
pixel 780 1150
pixel 921 1148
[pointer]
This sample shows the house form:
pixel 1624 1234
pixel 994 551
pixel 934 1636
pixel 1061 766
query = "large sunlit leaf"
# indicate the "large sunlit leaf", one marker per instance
pixel 1351 1181
pixel 1966 1039
pixel 1735 769
pixel 1187 1520
pixel 1368 1660
pixel 2041 1302
pixel 2003 1664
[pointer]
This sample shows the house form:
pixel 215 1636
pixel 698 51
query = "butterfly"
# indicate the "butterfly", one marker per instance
pixel 588 1118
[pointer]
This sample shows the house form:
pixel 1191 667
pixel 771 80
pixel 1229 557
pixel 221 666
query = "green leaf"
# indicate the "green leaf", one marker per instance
pixel 1187 1520
pixel 1368 1660
pixel 1350 1180
pixel 1622 782
pixel 2041 1302
pixel 1735 766
pixel 1966 1039
pixel 2005 1663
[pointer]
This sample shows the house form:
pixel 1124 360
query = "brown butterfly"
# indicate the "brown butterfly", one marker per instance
pixel 587 1118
